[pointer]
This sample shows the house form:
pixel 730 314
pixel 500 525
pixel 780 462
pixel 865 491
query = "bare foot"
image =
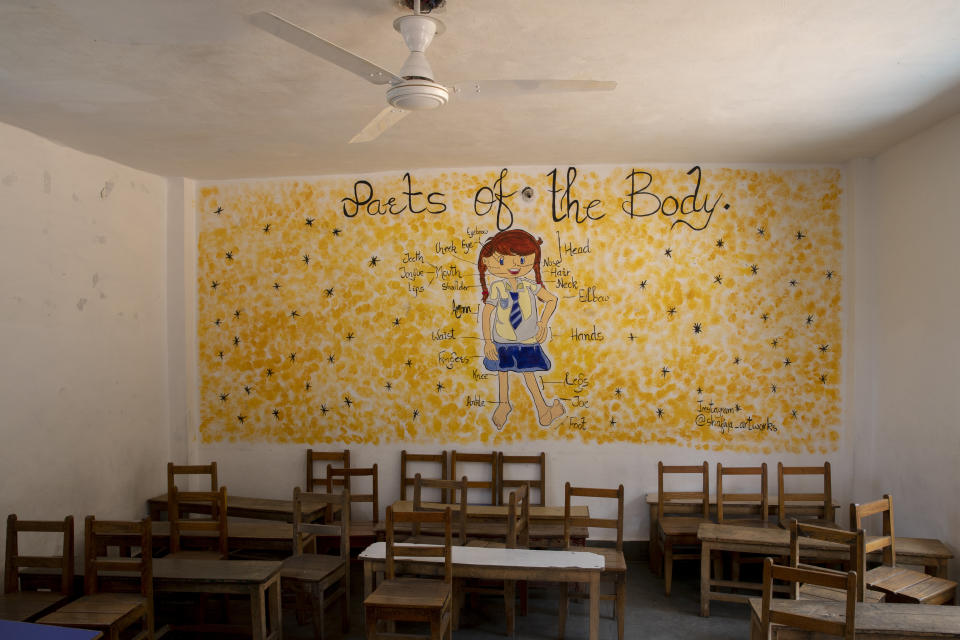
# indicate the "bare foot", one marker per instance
pixel 552 413
pixel 500 415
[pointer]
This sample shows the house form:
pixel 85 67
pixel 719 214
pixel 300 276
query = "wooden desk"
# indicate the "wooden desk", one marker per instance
pixel 776 542
pixel 29 631
pixel 502 564
pixel 241 507
pixel 257 579
pixel 499 512
pixel 874 620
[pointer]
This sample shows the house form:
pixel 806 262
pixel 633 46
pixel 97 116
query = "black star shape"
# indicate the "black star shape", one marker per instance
pixel 323 409
pixel 809 319
pixel 276 285
pixel 823 378
pixel 266 228
pixel 229 255
pixel 631 337
pixel 396 322
pixel 214 284
pixel 248 390
pixel 664 371
pixel 306 259
pixel 718 279
pixel 224 396
pixel 336 232
pixel 761 231
pixel 276 413
pixel 349 336
pixel 388 387
pixel 668 253
pixel 643 285
pixel 236 341
pixel 736 360
pixel 236 314
pixel 293 357
pixel 328 292
pixel 787 362
pixel 416 413
pixel 330 358
pixel 294 314
pixel 269 372
pixel 793 283
pixel 347 401
pixel 764 316
pixel 824 348
pixel 697 328
pixel 373 261
pixel 800 235
pixel 699 391
pixel 307 387
pixel 617 392
pixel 828 275
pixel 737 408
pixel 218 210
pixel 671 311
pixel 309 222
pixel 659 412
pixel 613 422
pixel 439 387
pixel 754 269
pixel 409 362
pixel 241 419
pixel 218 322
pixel 775 342
pixel 794 413
pixel 720 243
pixel 773 388
pixel 220 354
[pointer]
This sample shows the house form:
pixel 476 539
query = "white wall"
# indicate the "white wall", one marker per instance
pixel 83 385
pixel 907 341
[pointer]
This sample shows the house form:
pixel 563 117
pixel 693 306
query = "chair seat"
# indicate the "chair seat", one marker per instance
pixel 24 605
pixel 100 611
pixel 816 592
pixel 311 567
pixel 680 526
pixel 613 560
pixel 907 585
pixel 410 593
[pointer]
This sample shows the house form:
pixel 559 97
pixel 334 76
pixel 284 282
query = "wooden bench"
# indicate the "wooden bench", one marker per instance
pixel 874 620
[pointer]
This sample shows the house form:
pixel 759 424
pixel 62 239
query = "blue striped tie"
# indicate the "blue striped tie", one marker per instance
pixel 516 316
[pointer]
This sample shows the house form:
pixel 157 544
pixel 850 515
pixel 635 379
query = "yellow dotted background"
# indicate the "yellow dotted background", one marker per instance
pixel 314 329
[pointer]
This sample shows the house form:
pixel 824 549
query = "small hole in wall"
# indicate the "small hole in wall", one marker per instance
pixel 527 193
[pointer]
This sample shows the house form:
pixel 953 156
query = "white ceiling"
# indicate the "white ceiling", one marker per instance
pixel 189 88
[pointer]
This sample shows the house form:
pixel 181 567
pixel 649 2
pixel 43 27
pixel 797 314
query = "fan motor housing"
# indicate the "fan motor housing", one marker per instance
pixel 416 94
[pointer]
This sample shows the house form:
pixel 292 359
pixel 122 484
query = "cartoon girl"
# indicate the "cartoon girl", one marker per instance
pixel 512 329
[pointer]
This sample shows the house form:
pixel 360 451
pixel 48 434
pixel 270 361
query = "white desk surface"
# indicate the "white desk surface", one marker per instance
pixel 540 558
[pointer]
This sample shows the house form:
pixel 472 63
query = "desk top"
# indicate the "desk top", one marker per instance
pixel 882 618
pixel 259 508
pixel 207 571
pixel 264 530
pixel 29 631
pixel 500 511
pixel 489 556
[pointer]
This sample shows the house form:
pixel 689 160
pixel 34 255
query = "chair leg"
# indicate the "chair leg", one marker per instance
pixel 522 588
pixel 345 609
pixel 371 624
pixel 563 609
pixel 510 602
pixel 667 566
pixel 317 607
pixel 621 603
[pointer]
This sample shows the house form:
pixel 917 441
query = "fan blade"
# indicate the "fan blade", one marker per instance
pixel 384 120
pixel 506 88
pixel 320 47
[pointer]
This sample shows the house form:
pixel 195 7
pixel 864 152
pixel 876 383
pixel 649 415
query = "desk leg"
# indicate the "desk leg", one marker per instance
pixel 705 553
pixel 276 616
pixel 258 618
pixel 595 605
pixel 653 548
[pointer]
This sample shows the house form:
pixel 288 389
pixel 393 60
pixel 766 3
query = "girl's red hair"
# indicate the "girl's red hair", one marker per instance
pixel 512 242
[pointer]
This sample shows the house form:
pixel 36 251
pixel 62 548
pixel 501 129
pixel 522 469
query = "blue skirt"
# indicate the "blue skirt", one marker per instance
pixel 518 357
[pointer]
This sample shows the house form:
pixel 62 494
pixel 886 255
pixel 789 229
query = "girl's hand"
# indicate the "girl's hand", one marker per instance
pixel 541 331
pixel 490 350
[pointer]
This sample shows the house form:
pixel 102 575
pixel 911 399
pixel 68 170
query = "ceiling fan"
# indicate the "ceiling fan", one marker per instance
pixel 414 87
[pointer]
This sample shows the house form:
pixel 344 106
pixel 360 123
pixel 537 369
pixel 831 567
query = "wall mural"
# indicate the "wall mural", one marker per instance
pixel 687 306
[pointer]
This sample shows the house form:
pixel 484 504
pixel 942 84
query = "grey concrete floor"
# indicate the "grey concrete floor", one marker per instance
pixel 650 614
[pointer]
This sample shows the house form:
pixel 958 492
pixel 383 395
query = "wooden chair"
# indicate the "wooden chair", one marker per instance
pixel 788 503
pixel 857 561
pixel 320 580
pixel 539 483
pixel 111 613
pixel 486 460
pixel 406 478
pixel 362 532
pixel 750 509
pixel 413 599
pixel 23 605
pixel 202 470
pixel 449 488
pixel 814 620
pixel 215 523
pixel 317 481
pixel 680 531
pixel 517 536
pixel 615 566
pixel 897 583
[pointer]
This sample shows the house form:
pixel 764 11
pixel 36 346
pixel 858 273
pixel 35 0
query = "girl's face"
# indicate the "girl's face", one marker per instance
pixel 509 266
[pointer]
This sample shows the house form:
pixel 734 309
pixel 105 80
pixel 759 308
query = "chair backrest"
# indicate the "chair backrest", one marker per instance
pixel 417 518
pixel 570 521
pixel 419 459
pixel 448 487
pixel 758 498
pixel 666 497
pixel 886 542
pixel 100 536
pixel 340 529
pixel 539 482
pixel 315 477
pixel 518 518
pixel 14 561
pixel 346 477
pixel 174 470
pixel 853 539
pixel 215 522
pixel 823 500
pixel 486 465
pixel 769 615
